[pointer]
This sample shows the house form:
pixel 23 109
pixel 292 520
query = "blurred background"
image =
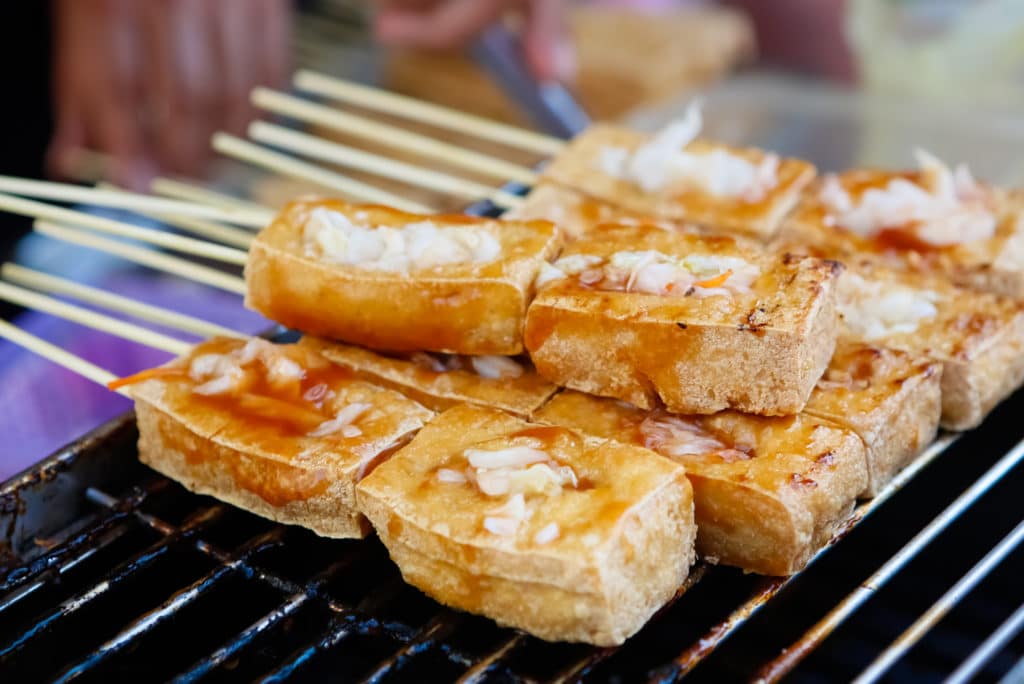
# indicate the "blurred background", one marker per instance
pixel 115 90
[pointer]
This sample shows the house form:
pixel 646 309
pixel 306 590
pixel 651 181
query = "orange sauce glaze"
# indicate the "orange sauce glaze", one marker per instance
pixel 273 415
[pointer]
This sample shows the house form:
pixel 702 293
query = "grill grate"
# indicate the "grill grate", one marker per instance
pixel 118 573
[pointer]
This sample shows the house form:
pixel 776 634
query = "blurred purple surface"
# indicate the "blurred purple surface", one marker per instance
pixel 45 406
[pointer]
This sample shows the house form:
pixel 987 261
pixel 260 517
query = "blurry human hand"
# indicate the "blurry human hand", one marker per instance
pixel 440 24
pixel 148 83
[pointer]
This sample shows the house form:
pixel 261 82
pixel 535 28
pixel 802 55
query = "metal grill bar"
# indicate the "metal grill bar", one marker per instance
pixel 154 618
pixel 480 670
pixel 339 631
pixel 65 556
pixel 794 654
pixel 989 648
pixel 268 621
pixel 344 624
pixel 439 627
pixel 702 647
pixel 1015 675
pixel 114 578
pixel 933 615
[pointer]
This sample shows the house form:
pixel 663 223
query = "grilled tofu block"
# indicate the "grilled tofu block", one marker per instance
pixel 768 492
pixel 934 221
pixel 402 282
pixel 568 537
pixel 645 315
pixel 440 382
pixel 891 399
pixel 273 429
pixel 577 214
pixel 672 176
pixel 978 337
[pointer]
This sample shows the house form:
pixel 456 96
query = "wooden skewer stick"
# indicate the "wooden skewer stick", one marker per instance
pixel 181 190
pixel 283 164
pixel 333 153
pixel 59 356
pixel 410 108
pixel 122 199
pixel 91 319
pixel 391 136
pixel 146 257
pixel 228 235
pixel 44 282
pixel 178 243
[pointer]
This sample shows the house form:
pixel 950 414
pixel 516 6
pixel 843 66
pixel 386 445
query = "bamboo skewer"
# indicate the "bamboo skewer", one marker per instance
pixel 283 164
pixel 146 257
pixel 181 190
pixel 53 353
pixel 229 235
pixel 92 319
pixel 334 153
pixel 391 136
pixel 179 243
pixel 44 282
pixel 436 115
pixel 122 199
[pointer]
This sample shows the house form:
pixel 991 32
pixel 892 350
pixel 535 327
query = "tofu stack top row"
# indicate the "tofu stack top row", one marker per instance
pixel 672 346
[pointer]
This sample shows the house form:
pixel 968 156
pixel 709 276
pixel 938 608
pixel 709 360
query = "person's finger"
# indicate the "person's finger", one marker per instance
pixel 547 43
pixel 275 50
pixel 441 25
pixel 183 103
pixel 239 62
pixel 62 155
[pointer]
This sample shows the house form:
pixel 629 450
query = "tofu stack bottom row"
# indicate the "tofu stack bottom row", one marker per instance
pixel 673 348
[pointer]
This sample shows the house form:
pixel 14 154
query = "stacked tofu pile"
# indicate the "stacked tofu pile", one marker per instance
pixel 675 348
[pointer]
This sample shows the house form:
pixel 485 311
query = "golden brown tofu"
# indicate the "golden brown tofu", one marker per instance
pixel 440 382
pixel 568 537
pixel 699 323
pixel 584 166
pixel 768 492
pixel 978 337
pixel 975 239
pixel 273 429
pixel 577 214
pixel 402 282
pixel 891 399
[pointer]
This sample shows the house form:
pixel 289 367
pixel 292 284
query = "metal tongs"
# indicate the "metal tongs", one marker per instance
pixel 549 105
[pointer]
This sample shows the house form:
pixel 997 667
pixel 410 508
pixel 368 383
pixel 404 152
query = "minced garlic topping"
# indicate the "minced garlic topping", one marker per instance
pixel 677 437
pixel 487 367
pixel 223 373
pixel 219 374
pixel 333 237
pixel 664 162
pixel 513 473
pixel 946 207
pixel 653 272
pixel 873 309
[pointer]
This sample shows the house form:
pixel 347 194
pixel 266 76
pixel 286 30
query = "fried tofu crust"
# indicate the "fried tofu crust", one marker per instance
pixel 624 542
pixel 578 167
pixel 253 449
pixel 993 265
pixel 439 390
pixel 977 336
pixel 773 493
pixel 891 399
pixel 760 351
pixel 459 308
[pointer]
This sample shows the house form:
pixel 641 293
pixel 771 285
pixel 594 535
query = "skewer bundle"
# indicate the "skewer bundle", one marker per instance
pixel 541 416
